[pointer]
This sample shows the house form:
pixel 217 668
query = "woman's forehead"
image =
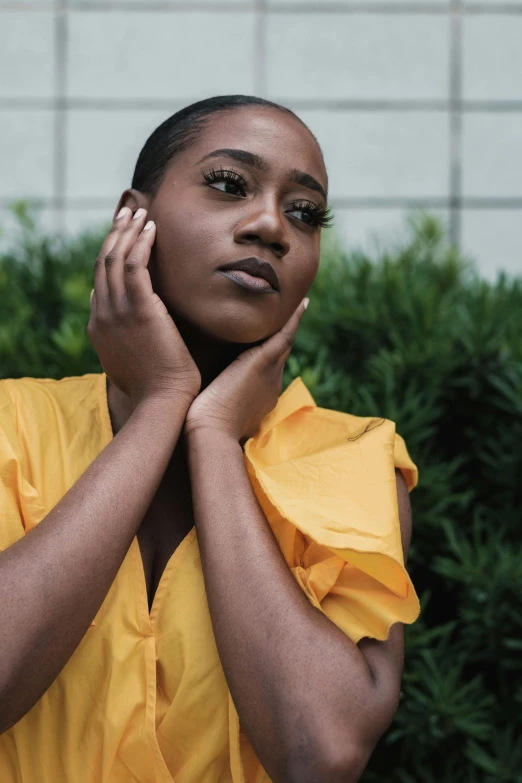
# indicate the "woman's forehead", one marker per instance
pixel 279 139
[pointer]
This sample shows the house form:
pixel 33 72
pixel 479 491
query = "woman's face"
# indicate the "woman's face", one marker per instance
pixel 214 207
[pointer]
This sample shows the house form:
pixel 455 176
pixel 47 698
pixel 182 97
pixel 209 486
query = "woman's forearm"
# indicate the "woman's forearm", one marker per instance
pixel 55 578
pixel 297 681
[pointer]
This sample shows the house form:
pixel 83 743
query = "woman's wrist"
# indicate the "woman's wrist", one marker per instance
pixel 204 438
pixel 172 399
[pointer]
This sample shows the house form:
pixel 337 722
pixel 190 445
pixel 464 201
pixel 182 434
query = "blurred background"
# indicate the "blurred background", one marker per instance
pixel 415 315
pixel 415 103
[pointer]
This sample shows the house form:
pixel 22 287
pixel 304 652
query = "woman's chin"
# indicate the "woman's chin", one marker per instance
pixel 235 325
pixel 225 322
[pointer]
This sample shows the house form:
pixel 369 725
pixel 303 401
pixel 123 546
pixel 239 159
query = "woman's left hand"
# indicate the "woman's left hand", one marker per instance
pixel 237 401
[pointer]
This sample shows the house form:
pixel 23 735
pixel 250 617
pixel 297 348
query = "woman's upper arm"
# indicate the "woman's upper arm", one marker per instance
pixel 386 658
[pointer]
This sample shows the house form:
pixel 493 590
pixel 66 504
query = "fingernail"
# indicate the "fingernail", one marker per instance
pixel 139 213
pixel 306 302
pixel 123 211
pixel 149 225
pixel 92 292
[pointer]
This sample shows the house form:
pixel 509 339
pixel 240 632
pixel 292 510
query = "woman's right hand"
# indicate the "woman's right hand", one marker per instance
pixel 138 344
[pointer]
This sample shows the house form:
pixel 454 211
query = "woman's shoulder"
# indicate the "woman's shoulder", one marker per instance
pixel 48 416
pixel 27 387
pixel 297 430
pixel 50 431
pixel 38 397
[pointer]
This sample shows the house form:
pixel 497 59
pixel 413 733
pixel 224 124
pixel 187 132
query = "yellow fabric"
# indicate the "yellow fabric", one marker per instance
pixel 144 697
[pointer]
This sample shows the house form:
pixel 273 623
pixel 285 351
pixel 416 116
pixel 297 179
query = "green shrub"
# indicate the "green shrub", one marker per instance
pixel 416 336
pixel 45 287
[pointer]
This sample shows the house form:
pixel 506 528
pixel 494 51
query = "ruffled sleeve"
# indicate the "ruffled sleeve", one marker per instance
pixel 326 483
pixel 20 505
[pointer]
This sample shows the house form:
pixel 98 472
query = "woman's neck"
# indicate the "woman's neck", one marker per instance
pixel 211 358
pixel 210 355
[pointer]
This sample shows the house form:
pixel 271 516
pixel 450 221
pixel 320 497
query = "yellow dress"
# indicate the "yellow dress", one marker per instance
pixel 144 698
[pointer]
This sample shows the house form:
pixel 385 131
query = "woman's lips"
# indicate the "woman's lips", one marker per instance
pixel 247 281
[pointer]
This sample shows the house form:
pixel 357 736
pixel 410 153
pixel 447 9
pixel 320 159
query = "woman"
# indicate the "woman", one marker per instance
pixel 202 580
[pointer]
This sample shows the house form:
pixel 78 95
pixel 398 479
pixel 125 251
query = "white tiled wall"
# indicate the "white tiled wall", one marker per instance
pixel 492 58
pixel 27 55
pixel 383 154
pixel 414 102
pixel 27 153
pixel 492 155
pixel 493 235
pixel 357 56
pixel 159 55
pixel 102 149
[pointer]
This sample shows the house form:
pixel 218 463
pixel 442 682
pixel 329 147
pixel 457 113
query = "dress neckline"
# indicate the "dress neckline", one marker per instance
pixel 147 617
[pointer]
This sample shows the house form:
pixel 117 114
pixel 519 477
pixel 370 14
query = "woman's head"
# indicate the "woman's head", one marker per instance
pixel 226 179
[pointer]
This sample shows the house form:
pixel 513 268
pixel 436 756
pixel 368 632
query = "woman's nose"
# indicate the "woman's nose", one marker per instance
pixel 264 225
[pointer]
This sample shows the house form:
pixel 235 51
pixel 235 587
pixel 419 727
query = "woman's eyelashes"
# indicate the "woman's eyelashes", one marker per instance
pixel 226 177
pixel 233 183
pixel 317 215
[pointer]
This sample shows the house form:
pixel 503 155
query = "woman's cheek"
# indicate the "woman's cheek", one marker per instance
pixel 302 274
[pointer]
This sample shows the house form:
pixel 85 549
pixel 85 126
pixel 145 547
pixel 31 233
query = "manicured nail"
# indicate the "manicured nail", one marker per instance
pixel 149 225
pixel 305 302
pixel 139 213
pixel 123 211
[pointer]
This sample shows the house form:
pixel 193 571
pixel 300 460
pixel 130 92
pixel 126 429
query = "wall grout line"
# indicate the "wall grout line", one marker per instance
pixel 367 9
pixel 53 151
pixel 339 202
pixel 50 6
pixel 118 104
pixel 260 49
pixel 56 116
pixel 158 6
pixel 401 9
pixel 504 9
pixel 60 115
pixel 455 118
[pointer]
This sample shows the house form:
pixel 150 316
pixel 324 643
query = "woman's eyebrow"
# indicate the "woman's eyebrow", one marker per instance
pixel 307 181
pixel 257 162
pixel 242 156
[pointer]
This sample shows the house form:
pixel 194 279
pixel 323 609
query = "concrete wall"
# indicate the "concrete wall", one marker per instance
pixel 415 103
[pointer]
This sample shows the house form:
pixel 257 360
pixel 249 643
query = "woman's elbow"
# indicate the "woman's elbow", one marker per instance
pixel 348 768
pixel 342 767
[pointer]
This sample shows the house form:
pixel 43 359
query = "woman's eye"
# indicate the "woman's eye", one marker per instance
pixel 226 181
pixel 306 215
pixel 312 215
pixel 226 186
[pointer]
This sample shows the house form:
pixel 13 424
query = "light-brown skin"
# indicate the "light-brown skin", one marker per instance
pixel 184 395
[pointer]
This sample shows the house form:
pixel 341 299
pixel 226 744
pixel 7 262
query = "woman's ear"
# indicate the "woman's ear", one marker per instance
pixel 134 199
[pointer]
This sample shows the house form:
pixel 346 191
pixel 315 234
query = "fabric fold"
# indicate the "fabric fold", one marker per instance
pixel 20 506
pixel 326 482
